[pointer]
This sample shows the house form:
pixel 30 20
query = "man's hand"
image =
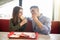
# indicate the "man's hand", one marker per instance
pixel 37 21
pixel 34 16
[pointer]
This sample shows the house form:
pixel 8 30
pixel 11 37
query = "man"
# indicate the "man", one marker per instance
pixel 41 24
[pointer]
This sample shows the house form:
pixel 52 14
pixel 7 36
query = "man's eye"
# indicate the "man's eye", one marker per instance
pixel 19 12
pixel 33 11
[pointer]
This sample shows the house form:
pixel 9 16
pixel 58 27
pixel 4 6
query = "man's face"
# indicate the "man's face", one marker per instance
pixel 35 11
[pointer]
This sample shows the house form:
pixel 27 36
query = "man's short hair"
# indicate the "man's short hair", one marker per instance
pixel 34 7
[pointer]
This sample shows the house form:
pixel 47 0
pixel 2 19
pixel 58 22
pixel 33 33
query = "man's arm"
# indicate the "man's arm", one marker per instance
pixel 38 22
pixel 45 28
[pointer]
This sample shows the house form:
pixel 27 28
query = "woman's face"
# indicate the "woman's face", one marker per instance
pixel 20 12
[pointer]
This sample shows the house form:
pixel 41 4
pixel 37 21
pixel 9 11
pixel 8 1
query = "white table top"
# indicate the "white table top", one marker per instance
pixel 4 36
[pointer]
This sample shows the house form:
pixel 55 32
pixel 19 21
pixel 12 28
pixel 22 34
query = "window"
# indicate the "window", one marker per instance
pixel 46 7
pixel 7 8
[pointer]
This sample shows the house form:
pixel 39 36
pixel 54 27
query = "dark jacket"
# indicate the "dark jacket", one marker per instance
pixel 16 27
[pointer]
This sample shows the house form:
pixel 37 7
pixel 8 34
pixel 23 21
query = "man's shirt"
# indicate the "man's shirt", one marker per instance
pixel 46 28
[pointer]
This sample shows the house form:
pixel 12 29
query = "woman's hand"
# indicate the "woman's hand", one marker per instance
pixel 24 20
pixel 22 17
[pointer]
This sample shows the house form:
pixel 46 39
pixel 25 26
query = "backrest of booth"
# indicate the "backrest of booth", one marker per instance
pixel 55 27
pixel 4 26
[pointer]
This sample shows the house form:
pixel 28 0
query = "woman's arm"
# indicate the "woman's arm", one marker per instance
pixel 24 21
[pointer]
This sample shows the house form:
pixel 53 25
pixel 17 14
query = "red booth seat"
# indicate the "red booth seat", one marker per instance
pixel 4 26
pixel 55 27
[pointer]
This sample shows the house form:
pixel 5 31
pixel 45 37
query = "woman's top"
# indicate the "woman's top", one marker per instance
pixel 17 27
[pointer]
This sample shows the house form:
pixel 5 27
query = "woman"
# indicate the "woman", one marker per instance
pixel 18 22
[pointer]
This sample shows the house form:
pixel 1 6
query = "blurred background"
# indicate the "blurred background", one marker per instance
pixel 49 8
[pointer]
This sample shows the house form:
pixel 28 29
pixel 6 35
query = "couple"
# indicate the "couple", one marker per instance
pixel 40 23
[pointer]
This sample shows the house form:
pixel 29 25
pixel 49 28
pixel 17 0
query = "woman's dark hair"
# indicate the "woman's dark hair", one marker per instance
pixel 15 14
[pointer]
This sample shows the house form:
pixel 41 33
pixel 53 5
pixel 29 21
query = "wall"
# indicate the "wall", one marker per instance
pixel 46 7
pixel 56 10
pixel 6 9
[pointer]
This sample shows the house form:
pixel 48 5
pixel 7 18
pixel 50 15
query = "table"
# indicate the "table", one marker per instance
pixel 4 36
